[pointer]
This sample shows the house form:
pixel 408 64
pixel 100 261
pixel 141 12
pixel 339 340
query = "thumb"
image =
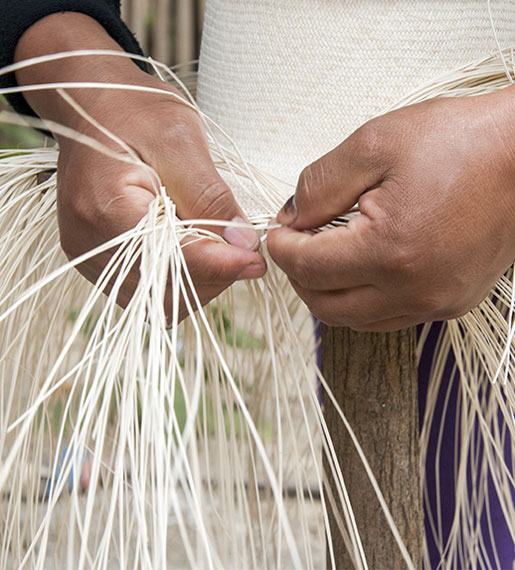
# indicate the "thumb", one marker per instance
pixel 199 192
pixel 331 185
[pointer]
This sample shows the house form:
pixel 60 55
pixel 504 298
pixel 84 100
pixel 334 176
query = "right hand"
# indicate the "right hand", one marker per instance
pixel 100 197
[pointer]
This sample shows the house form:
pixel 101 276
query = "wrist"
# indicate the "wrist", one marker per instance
pixel 69 31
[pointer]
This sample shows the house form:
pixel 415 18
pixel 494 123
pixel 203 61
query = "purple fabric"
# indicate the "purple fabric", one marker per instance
pixel 496 540
pixel 501 540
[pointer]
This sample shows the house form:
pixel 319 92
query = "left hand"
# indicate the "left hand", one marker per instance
pixel 99 197
pixel 435 185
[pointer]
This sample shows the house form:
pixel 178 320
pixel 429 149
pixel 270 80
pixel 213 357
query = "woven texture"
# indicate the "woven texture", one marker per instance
pixel 289 80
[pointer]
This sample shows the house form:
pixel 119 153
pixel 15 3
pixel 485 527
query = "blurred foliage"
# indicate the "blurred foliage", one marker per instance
pixel 14 136
pixel 233 336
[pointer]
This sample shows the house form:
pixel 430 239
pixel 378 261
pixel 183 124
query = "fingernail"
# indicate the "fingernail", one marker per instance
pixel 246 238
pixel 252 271
pixel 288 213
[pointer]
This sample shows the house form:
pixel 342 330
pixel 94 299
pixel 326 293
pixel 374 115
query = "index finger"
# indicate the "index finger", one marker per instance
pixel 333 259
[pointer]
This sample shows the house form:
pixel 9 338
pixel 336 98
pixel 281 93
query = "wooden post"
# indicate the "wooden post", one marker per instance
pixel 374 379
pixel 185 32
pixel 138 22
pixel 161 41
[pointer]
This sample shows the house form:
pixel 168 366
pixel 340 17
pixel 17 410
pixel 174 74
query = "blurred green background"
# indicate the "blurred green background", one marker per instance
pixel 14 136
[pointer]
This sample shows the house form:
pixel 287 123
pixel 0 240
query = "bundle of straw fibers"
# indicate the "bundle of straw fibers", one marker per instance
pixel 126 443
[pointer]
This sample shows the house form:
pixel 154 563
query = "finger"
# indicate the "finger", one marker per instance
pixel 389 325
pixel 354 308
pixel 213 267
pixel 198 190
pixel 331 185
pixel 210 263
pixel 333 259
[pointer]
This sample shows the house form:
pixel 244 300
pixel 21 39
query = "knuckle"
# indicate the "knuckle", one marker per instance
pixel 403 261
pixel 368 138
pixel 213 200
pixel 184 133
pixel 170 141
pixel 431 304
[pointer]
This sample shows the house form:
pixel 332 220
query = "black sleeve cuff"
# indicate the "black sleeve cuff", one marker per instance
pixel 16 17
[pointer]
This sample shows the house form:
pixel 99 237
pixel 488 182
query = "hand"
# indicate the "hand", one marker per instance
pixel 435 185
pixel 100 197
